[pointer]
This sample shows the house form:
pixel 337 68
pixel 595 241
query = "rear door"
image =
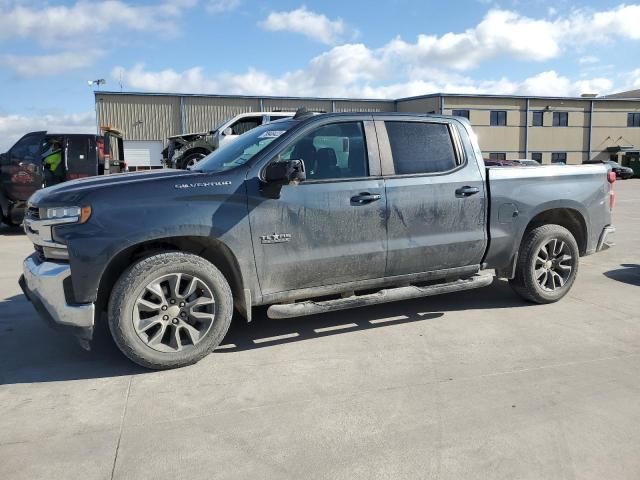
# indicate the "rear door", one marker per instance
pixel 435 197
pixel 80 156
pixel 330 229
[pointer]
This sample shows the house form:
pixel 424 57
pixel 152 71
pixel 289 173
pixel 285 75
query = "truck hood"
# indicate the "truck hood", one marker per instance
pixel 76 189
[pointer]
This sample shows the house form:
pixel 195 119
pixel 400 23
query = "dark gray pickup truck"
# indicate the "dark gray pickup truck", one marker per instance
pixel 316 213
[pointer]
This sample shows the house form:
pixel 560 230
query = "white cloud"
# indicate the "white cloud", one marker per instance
pixel 311 24
pixel 551 84
pixel 221 6
pixel 588 59
pixel 44 65
pixel 55 24
pixel 13 126
pixel 429 64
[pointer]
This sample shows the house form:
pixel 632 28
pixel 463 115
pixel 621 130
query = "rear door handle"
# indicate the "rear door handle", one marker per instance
pixel 365 197
pixel 466 191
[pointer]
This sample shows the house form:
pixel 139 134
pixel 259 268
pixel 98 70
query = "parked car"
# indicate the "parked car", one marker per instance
pixel 184 151
pixel 621 172
pixel 489 162
pixel 306 215
pixel 22 171
pixel 527 162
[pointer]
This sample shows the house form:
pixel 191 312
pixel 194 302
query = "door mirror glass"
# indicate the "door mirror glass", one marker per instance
pixel 282 172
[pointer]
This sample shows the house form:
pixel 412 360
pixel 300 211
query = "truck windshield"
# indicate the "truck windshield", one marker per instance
pixel 239 151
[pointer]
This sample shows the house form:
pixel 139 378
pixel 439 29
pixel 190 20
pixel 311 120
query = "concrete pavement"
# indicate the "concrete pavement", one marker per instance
pixel 470 385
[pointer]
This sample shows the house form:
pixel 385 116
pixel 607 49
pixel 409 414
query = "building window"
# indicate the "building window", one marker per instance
pixel 498 118
pixel 560 119
pixel 497 156
pixel 420 147
pixel 559 157
pixel 537 156
pixel 538 119
pixel 461 113
pixel 633 119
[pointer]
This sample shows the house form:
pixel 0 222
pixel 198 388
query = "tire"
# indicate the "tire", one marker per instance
pixel 151 299
pixel 546 280
pixel 190 160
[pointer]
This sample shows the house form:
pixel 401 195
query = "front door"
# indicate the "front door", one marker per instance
pixel 330 229
pixel 435 197
pixel 21 169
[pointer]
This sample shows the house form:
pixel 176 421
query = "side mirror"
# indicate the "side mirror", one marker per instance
pixel 227 131
pixel 279 173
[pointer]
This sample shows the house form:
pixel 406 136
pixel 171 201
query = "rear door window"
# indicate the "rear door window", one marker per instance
pixel 245 124
pixel 421 147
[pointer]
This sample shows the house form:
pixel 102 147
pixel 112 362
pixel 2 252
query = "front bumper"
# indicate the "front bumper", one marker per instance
pixel 606 238
pixel 43 285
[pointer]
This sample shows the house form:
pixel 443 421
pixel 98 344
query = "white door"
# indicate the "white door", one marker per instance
pixel 143 153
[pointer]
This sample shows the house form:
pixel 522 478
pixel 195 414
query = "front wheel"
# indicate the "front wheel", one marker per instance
pixel 191 160
pixel 547 264
pixel 170 310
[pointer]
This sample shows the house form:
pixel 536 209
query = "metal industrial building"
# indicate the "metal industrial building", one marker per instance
pixel 547 129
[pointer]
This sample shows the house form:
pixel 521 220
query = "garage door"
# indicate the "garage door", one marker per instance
pixel 138 153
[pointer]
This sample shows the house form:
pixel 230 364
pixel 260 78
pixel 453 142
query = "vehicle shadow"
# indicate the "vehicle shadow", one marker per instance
pixel 31 352
pixel 629 273
pixel 10 230
pixel 265 332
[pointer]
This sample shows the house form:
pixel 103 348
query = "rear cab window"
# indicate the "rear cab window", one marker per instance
pixel 421 147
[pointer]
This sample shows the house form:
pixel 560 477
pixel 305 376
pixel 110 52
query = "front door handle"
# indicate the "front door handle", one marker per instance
pixel 365 197
pixel 466 191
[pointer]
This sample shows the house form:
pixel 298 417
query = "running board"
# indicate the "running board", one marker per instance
pixel 309 307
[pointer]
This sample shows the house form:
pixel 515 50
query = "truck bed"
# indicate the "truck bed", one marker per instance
pixel 518 194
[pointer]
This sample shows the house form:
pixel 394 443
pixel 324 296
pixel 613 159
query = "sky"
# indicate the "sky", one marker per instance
pixel 383 49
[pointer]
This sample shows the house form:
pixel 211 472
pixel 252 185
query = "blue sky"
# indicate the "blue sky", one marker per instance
pixel 386 49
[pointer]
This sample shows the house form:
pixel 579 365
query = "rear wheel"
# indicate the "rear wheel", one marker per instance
pixel 170 310
pixel 547 264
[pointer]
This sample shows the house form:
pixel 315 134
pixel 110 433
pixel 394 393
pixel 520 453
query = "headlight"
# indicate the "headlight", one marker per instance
pixel 78 214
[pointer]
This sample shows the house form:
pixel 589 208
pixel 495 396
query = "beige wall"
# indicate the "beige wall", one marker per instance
pixel 421 105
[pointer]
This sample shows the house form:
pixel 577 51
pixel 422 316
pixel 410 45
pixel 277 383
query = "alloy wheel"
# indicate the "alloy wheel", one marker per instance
pixel 553 265
pixel 174 312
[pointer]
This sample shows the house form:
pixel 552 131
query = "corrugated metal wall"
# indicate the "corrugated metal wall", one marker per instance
pixel 156 117
pixel 202 114
pixel 292 104
pixel 140 117
pixel 360 106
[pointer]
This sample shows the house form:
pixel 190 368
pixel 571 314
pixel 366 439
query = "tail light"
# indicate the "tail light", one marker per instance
pixel 611 177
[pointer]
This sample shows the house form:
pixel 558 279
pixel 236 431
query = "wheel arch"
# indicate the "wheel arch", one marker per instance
pixel 208 248
pixel 569 218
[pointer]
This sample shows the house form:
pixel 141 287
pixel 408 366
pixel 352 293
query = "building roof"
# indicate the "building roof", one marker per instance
pixel 265 97
pixel 634 94
pixel 630 95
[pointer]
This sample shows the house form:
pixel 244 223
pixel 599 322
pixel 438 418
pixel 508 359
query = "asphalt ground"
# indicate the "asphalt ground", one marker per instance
pixel 470 385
